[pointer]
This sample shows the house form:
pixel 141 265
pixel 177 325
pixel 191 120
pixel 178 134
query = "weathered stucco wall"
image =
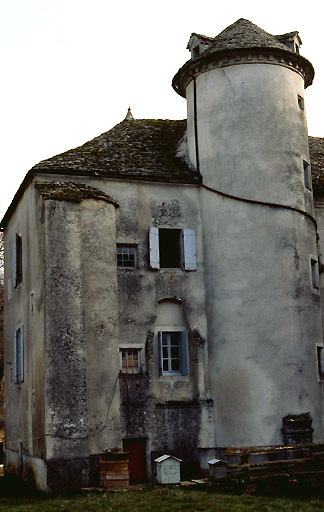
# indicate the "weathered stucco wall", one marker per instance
pixel 263 312
pixel 25 306
pixel 252 134
pixel 82 357
pixel 267 321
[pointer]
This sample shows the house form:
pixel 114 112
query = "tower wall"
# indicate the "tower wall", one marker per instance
pixel 82 356
pixel 263 310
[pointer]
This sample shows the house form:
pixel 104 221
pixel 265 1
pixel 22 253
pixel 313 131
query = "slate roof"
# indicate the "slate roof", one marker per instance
pixel 239 38
pixel 70 191
pixel 244 34
pixel 316 151
pixel 137 149
pixel 140 149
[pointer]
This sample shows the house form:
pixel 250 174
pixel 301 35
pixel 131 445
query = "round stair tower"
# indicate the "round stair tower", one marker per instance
pixel 247 136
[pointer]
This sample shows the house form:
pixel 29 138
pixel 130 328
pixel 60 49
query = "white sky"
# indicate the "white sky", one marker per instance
pixel 70 68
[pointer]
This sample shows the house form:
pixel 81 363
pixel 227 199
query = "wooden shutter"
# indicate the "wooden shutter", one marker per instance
pixel 184 358
pixel 14 264
pixel 189 249
pixel 15 358
pixel 160 351
pixel 21 354
pixel 154 248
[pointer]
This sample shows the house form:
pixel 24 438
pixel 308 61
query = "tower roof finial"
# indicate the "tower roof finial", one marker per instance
pixel 129 115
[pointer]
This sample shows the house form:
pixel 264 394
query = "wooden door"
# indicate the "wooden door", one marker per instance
pixel 137 459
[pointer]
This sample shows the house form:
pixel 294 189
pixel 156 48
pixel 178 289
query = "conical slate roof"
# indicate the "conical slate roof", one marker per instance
pixel 244 34
pixel 242 38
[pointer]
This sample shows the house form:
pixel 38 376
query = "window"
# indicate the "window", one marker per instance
pixel 195 52
pixel 19 355
pixel 130 361
pixel 307 176
pixel 173 351
pixel 320 362
pixel 17 261
pixel 301 102
pixel 169 248
pixel 172 248
pixel 315 277
pixel 126 256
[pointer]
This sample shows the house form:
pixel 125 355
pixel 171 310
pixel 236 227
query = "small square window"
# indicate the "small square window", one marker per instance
pixel 130 361
pixel 315 276
pixel 301 102
pixel 307 176
pixel 126 256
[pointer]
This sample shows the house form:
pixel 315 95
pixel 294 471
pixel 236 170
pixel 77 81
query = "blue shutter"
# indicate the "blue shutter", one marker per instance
pixel 189 249
pixel 14 264
pixel 15 358
pixel 21 355
pixel 184 359
pixel 154 248
pixel 160 351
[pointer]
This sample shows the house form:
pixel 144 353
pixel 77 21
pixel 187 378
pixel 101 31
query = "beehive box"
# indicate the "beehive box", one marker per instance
pixel 114 473
pixel 217 468
pixel 167 469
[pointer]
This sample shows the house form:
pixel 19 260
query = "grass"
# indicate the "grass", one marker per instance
pixel 158 499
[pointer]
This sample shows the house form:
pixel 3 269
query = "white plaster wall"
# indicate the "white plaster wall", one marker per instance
pixel 252 135
pixel 263 315
pixel 264 320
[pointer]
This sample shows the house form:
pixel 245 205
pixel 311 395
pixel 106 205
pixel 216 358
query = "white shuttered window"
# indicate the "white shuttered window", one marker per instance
pixel 187 249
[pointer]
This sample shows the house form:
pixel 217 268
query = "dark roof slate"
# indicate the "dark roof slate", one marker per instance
pixel 244 34
pixel 140 149
pixel 70 191
pixel 316 151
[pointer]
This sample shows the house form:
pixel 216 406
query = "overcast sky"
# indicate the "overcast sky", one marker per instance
pixel 70 68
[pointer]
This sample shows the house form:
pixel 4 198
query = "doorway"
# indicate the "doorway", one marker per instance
pixel 137 459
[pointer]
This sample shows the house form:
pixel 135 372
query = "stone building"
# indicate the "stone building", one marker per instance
pixel 162 281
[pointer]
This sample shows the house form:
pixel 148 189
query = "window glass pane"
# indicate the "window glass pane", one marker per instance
pixel 175 352
pixel 175 365
pixel 126 256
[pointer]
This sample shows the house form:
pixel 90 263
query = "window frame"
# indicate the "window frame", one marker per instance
pixel 183 353
pixel 301 102
pixel 19 355
pixel 320 366
pixel 314 273
pixel 133 249
pixel 17 260
pixel 187 250
pixel 307 175
pixel 125 351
